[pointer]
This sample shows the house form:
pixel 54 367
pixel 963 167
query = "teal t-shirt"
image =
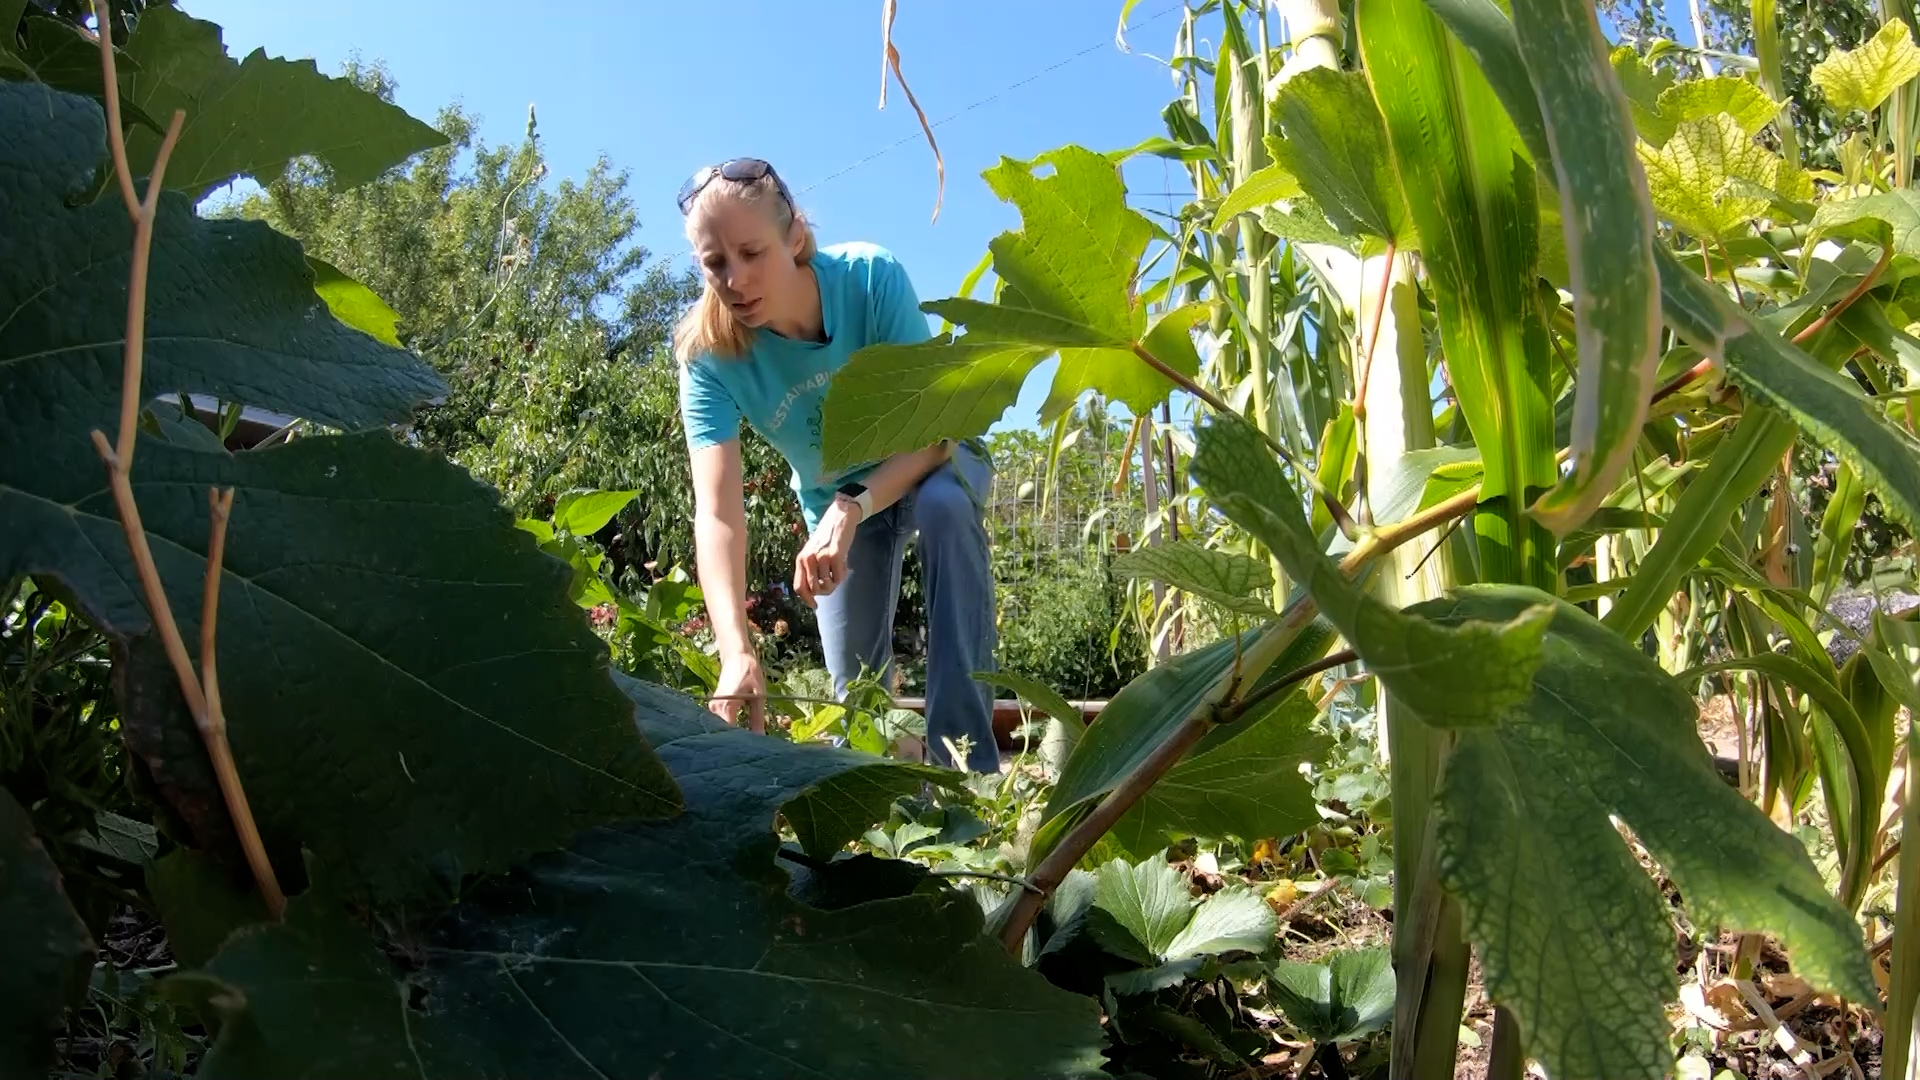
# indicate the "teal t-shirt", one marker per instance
pixel 780 385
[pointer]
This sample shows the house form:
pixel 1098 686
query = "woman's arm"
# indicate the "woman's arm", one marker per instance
pixel 720 555
pixel 822 564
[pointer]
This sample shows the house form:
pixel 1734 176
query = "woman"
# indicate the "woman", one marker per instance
pixel 778 316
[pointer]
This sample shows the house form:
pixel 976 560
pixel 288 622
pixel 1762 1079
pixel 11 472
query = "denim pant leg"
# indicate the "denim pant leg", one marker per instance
pixel 856 619
pixel 947 510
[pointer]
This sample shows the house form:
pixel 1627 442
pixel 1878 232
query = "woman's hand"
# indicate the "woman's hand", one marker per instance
pixel 741 684
pixel 822 565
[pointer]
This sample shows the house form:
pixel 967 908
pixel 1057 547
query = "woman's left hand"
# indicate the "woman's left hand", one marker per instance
pixel 822 565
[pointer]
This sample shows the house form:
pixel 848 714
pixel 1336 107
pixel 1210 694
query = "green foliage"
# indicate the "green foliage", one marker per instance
pixel 1235 582
pixel 1452 676
pixel 250 118
pixel 1347 998
pixel 1474 205
pixel 1066 284
pixel 1336 143
pixel 670 949
pixel 1862 78
pixel 44 962
pixel 1609 232
pixel 1606 732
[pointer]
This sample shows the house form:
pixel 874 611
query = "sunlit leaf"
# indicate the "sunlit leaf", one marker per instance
pixel 1335 144
pixel 1643 86
pixel 890 398
pixel 1898 211
pixel 355 304
pixel 1268 185
pixel 1693 177
pixel 584 513
pixel 1696 99
pixel 1862 78
pixel 1473 201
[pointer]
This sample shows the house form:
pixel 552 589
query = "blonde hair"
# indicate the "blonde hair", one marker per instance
pixel 709 327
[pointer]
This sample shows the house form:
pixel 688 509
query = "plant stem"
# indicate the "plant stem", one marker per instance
pixel 1240 708
pixel 1847 301
pixel 1505 1059
pixel 1334 507
pixel 202 693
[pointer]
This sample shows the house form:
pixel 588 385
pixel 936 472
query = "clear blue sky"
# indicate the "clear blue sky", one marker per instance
pixel 661 89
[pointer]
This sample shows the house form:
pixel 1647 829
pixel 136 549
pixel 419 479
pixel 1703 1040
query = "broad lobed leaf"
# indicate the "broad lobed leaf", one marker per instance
pixel 656 949
pixel 250 118
pixel 1546 882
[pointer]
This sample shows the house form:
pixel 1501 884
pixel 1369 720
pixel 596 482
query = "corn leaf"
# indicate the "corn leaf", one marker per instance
pixel 1608 226
pixel 1472 200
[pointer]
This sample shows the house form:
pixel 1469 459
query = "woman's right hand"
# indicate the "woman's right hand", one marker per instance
pixel 741 684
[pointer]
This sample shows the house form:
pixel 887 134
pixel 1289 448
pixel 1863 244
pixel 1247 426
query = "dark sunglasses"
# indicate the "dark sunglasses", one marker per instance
pixel 740 171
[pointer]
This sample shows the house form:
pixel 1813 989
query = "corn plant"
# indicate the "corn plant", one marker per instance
pixel 1639 309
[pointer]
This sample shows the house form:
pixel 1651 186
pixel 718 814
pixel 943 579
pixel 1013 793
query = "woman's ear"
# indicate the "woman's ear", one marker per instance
pixel 796 238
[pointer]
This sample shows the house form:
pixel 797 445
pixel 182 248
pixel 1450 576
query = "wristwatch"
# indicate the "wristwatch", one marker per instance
pixel 861 497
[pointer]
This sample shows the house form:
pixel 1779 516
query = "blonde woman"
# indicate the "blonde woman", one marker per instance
pixel 778 316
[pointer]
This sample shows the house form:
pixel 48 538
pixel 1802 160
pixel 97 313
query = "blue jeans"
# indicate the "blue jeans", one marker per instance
pixel 856 619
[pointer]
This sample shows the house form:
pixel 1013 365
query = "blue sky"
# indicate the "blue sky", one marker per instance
pixel 664 88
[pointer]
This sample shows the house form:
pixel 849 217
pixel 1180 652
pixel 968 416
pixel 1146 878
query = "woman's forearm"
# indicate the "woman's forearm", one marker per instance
pixel 898 474
pixel 720 553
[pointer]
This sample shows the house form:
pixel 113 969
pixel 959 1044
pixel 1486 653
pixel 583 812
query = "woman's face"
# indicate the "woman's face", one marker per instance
pixel 747 260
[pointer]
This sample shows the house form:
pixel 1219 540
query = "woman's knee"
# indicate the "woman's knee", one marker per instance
pixel 942 507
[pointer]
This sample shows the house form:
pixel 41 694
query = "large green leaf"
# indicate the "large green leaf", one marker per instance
pixel 1693 99
pixel 1609 230
pixel 1642 84
pixel 1452 676
pixel 45 953
pixel 1066 285
pixel 1234 919
pixel 1266 186
pixel 1336 144
pixel 584 513
pixel 250 118
pixel 1473 201
pixel 1862 78
pixel 845 792
pixel 666 949
pixel 1527 842
pixel 890 398
pixel 231 308
pixel 409 691
pixel 1233 581
pixel 1150 901
pixel 1242 780
pixel 1347 998
pixel 1144 714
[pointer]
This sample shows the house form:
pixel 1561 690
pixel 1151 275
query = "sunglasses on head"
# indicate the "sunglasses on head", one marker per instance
pixel 739 170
